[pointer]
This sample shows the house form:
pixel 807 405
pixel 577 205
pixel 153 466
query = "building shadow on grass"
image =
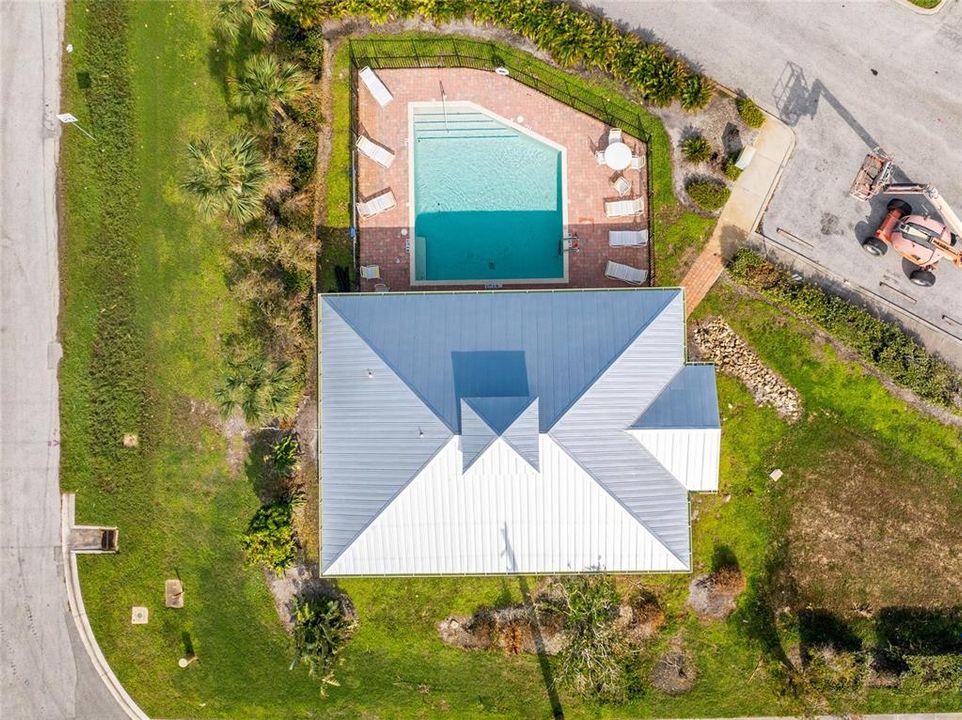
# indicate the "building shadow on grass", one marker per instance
pixel 557 711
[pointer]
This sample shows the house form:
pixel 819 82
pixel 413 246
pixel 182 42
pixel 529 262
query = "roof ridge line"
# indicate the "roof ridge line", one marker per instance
pixel 386 505
pixel 367 341
pixel 618 500
pixel 613 360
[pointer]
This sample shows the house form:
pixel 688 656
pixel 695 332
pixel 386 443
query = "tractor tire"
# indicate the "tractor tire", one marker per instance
pixel 923 278
pixel 900 205
pixel 874 246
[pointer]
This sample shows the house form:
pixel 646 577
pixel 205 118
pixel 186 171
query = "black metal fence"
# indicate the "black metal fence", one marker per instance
pixel 453 52
pixel 381 53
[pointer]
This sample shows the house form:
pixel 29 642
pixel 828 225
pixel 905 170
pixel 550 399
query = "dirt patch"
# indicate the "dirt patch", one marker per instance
pixel 716 342
pixel 516 629
pixel 713 596
pixel 872 528
pixel 640 618
pixel 299 581
pixel 675 672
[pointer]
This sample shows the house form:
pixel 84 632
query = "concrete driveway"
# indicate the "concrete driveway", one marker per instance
pixel 45 672
pixel 847 76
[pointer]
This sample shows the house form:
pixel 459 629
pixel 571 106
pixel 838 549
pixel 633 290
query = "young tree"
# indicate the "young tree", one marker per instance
pixel 252 17
pixel 269 87
pixel 262 389
pixel 321 630
pixel 227 178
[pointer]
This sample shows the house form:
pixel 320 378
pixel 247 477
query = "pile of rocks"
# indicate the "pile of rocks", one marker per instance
pixel 716 342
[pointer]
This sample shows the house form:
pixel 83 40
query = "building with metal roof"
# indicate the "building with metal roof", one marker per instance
pixel 511 432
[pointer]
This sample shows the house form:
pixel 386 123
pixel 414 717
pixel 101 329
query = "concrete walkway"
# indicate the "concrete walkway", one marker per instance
pixel 741 214
pixel 45 671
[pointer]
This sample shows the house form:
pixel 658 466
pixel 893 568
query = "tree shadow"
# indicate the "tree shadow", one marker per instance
pixel 723 558
pixel 821 628
pixel 267 484
pixel 902 631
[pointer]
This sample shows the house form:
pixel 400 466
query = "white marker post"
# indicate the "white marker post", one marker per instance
pixel 68 119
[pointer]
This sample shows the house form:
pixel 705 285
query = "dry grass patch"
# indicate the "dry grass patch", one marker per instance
pixel 872 528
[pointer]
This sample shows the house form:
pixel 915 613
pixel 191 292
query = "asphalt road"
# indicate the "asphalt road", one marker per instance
pixel 45 673
pixel 847 76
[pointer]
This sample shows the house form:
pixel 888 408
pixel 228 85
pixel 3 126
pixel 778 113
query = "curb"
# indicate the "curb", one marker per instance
pixel 79 614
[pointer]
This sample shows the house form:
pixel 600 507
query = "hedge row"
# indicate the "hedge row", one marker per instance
pixel 882 344
pixel 110 399
pixel 570 35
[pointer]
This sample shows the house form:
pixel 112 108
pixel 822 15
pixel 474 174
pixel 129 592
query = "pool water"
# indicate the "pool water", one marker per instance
pixel 487 199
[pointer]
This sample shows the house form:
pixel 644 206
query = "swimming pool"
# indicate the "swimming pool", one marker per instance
pixel 488 198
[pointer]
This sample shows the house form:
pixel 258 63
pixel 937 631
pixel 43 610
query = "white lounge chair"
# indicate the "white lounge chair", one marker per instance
pixel 626 273
pixel 624 208
pixel 600 157
pixel 370 272
pixel 614 136
pixel 373 83
pixel 621 185
pixel 377 204
pixel 637 162
pixel 378 153
pixel 627 238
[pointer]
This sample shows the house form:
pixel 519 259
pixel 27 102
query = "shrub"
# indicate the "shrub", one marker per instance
pixel 750 113
pixel 269 539
pixel 879 343
pixel 284 454
pixel 710 195
pixel 929 673
pixel 569 35
pixel 593 663
pixel 696 149
pixel 321 630
pixel 732 171
pixel 696 92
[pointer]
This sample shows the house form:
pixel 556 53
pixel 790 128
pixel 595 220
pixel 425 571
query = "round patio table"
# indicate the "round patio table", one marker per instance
pixel 618 156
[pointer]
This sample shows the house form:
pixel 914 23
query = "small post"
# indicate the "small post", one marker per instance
pixel 68 119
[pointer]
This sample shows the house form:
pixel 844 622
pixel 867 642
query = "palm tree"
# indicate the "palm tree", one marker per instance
pixel 255 17
pixel 261 389
pixel 227 178
pixel 268 87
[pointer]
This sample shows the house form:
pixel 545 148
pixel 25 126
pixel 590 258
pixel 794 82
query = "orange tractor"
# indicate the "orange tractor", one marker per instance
pixel 923 240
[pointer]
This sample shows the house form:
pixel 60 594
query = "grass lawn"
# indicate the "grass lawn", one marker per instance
pixel 145 304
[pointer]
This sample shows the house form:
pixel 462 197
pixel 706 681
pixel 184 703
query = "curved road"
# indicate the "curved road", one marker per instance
pixel 847 76
pixel 45 674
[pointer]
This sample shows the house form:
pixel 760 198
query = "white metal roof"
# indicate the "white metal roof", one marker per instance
pixel 511 432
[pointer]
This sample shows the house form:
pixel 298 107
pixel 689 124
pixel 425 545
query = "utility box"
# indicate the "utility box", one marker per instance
pixel 745 157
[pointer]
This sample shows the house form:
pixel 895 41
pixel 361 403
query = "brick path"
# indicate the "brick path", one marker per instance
pixel 740 216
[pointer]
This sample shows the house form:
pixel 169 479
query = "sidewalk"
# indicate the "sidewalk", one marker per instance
pixel 740 216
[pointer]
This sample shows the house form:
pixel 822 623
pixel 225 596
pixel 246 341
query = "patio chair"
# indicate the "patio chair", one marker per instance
pixel 378 153
pixel 624 208
pixel 377 88
pixel 600 157
pixel 377 204
pixel 614 136
pixel 627 238
pixel 621 185
pixel 370 272
pixel 626 273
pixel 637 162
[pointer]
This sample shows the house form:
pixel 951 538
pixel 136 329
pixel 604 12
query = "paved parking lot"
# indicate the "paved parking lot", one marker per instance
pixel 847 77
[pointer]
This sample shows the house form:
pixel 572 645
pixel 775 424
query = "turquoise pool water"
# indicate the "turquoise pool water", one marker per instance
pixel 487 199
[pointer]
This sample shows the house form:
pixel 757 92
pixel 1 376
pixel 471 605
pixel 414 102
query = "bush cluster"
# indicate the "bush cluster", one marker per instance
pixel 732 171
pixel 709 195
pixel 696 149
pixel 570 35
pixel 750 113
pixel 880 343
pixel 269 539
pixel 321 630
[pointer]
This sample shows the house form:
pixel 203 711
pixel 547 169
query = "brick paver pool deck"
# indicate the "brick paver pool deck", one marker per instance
pixel 383 239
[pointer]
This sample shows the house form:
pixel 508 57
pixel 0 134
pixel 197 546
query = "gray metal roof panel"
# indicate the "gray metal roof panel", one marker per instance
pixel 690 400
